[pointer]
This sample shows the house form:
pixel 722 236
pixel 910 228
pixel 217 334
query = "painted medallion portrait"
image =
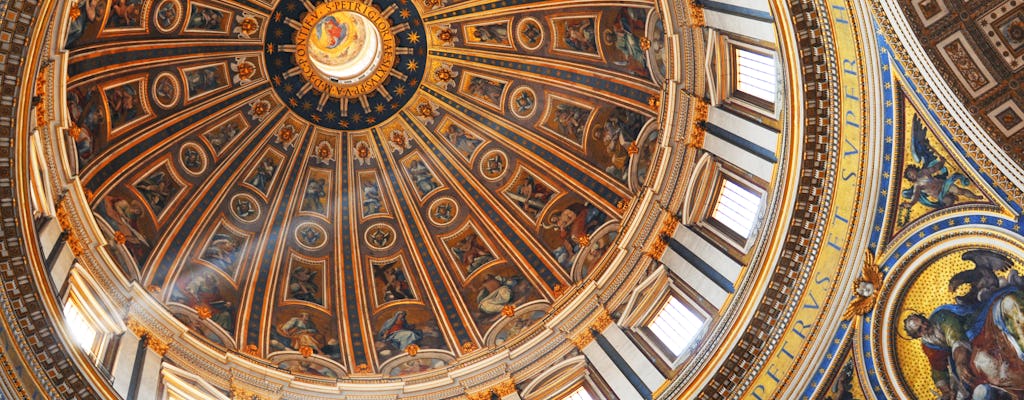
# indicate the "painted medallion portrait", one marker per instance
pixel 959 327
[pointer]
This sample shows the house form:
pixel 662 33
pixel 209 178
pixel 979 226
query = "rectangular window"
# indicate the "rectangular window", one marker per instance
pixel 580 393
pixel 755 75
pixel 737 208
pixel 82 331
pixel 675 325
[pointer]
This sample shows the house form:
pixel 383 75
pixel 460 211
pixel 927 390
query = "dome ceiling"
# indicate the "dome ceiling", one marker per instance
pixel 335 187
pixel 979 50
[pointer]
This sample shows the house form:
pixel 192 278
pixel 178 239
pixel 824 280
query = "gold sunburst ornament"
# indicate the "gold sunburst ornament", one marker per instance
pixel 865 288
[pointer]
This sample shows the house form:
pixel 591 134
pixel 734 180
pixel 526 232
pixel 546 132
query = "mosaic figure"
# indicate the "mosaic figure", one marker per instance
pixel 371 197
pixel 464 142
pixel 125 14
pixel 157 189
pixel 472 253
pixel 616 136
pixel 530 195
pixel 625 36
pixel 494 33
pixel 222 135
pixel 204 80
pixel 572 225
pixel 205 19
pixel 124 104
pixel 398 332
pixel 223 251
pixel 932 184
pixel 973 345
pixel 577 35
pixel 497 292
pixel 422 177
pixel 394 281
pixel 264 174
pixel 315 197
pixel 302 285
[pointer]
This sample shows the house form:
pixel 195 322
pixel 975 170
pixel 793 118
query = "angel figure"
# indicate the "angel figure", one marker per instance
pixel 932 183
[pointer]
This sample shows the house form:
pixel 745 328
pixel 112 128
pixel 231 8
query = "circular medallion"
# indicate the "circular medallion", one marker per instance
pixel 443 211
pixel 530 34
pixel 380 237
pixel 245 208
pixel 524 102
pixel 311 236
pixel 168 16
pixel 193 158
pixel 493 164
pixel 344 64
pixel 166 91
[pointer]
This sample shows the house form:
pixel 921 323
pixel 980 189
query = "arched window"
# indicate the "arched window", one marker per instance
pixel 83 331
pixel 675 326
pixel 581 393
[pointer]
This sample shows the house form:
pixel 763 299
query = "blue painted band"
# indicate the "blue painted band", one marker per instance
pixel 621 364
pixel 750 147
pixel 701 265
pixel 739 11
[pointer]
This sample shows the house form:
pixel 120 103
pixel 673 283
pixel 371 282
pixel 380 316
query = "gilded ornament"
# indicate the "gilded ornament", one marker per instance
pixel 425 110
pixel 865 288
pixel 153 289
pixel 622 206
pixel 362 368
pixel 583 240
pixel 443 74
pixel 74 131
pixel 602 321
pixel 654 101
pixel 204 311
pixel 482 395
pixel 158 346
pixel 645 44
pixel 509 310
pixel 469 347
pixel 582 339
pixel 136 328
pixel 558 290
pixel 696 14
pixel 238 393
pixel 633 149
pixel 306 351
pixel 412 349
pixel 120 238
pixel 248 26
pixel 504 388
pixel 252 350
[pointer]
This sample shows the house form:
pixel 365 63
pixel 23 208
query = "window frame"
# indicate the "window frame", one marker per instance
pixel 732 241
pixel 647 301
pixel 723 78
pixel 658 343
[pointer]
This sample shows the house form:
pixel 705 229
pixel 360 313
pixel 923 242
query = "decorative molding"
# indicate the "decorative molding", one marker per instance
pixel 696 13
pixel 697 132
pixel 582 338
pixel 669 224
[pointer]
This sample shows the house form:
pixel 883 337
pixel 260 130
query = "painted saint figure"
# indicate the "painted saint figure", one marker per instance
pixel 973 346
pixel 399 332
pixel 303 332
pixel 303 286
pixel 314 197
